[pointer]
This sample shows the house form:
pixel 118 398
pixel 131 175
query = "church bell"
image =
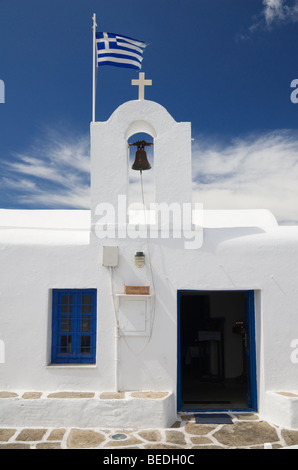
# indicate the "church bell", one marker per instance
pixel 141 161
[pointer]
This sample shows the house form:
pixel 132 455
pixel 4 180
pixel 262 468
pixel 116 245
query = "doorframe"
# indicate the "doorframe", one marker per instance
pixel 250 299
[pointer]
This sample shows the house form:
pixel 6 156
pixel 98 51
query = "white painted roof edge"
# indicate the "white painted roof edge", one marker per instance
pixel 81 219
pixel 260 218
pixel 45 219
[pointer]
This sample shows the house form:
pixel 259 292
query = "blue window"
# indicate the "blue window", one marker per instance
pixel 74 326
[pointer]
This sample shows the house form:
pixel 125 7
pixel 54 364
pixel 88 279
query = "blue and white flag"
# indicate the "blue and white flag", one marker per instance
pixel 121 51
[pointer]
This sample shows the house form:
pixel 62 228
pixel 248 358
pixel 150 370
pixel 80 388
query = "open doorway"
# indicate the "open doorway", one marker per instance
pixel 216 360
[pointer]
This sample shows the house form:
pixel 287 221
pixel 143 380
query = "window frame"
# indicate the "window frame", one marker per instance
pixel 73 317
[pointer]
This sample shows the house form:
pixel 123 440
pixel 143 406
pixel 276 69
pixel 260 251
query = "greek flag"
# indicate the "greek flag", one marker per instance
pixel 120 51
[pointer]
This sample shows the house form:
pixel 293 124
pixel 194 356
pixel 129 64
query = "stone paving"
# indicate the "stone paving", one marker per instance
pixel 248 431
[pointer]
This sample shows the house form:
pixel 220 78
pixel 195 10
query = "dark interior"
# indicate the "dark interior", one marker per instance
pixel 212 350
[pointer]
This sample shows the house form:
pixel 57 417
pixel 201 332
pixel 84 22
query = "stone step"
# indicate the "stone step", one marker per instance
pixel 88 409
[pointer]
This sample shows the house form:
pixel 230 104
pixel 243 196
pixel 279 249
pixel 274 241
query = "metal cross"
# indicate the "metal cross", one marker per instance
pixel 141 82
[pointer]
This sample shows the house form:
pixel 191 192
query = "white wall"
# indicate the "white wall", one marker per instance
pixel 265 262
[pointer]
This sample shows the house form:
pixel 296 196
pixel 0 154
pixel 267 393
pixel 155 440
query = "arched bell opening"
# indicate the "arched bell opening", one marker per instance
pixel 141 169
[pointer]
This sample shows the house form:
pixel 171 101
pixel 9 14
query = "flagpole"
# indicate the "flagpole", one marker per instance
pixel 94 67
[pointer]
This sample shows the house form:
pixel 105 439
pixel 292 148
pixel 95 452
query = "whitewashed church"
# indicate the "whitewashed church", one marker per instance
pixel 127 316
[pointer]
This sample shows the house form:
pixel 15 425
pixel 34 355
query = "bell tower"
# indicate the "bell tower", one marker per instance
pixel 110 152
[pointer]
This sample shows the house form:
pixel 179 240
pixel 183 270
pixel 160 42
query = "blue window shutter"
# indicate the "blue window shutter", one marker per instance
pixel 74 326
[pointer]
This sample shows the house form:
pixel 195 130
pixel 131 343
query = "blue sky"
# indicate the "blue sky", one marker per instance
pixel 224 65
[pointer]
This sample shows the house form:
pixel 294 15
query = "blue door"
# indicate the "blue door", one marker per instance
pixel 196 308
pixel 250 350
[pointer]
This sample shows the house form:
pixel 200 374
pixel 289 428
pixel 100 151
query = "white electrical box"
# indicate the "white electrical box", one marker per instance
pixel 110 256
pixel 134 314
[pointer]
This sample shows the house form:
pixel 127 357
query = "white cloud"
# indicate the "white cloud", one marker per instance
pixel 276 12
pixel 54 173
pixel 253 172
pixel 256 172
pixel 279 11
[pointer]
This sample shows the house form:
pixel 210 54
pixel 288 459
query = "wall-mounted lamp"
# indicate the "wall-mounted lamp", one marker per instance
pixel 140 259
